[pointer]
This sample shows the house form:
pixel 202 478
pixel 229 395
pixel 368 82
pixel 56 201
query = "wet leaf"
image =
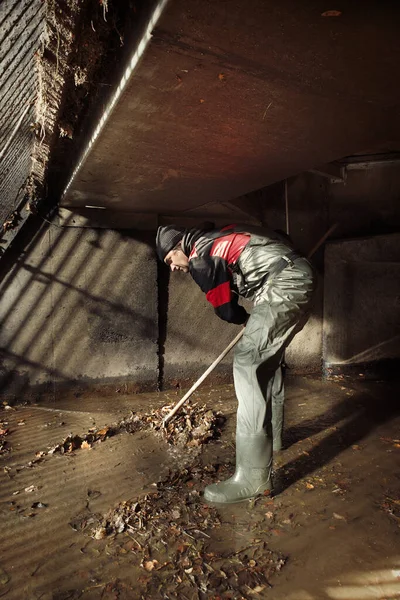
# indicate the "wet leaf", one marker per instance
pixel 149 565
pixel 4 578
pixel 103 432
pixel 258 589
pixel 339 517
pixel 252 563
pixel 332 13
pixel 100 533
pixel 31 488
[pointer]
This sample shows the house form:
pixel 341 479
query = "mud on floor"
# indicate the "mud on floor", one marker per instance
pixel 124 517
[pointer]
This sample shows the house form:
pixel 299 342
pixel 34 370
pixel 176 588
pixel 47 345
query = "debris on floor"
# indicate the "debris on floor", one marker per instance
pixel 171 536
pixel 74 442
pixel 193 426
pixel 4 431
pixel 391 506
pixel 93 524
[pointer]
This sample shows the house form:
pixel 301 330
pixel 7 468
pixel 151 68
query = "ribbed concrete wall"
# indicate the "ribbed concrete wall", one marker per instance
pixel 361 307
pixel 80 306
pixel 21 31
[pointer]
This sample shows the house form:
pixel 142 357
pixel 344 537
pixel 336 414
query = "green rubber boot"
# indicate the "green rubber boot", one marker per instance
pixel 253 471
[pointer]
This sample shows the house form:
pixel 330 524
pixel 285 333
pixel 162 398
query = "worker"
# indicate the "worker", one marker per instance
pixel 261 265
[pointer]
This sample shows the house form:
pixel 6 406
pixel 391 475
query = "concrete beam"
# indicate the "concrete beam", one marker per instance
pixel 371 161
pixel 207 116
pixel 335 172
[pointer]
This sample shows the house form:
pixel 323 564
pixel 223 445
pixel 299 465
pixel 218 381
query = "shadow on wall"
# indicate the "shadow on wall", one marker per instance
pixel 82 306
pixel 79 304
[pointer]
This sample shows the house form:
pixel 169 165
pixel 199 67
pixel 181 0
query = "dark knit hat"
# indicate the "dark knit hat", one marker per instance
pixel 167 238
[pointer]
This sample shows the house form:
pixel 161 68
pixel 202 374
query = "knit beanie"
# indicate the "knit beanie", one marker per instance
pixel 167 238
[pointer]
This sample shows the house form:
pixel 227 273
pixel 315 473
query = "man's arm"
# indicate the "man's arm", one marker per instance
pixel 214 278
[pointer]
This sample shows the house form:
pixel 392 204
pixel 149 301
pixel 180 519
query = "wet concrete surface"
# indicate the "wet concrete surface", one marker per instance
pixel 332 526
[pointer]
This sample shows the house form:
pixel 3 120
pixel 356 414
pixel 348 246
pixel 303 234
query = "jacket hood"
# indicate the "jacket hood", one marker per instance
pixel 190 238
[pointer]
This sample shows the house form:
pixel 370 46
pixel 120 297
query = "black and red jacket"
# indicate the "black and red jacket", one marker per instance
pixel 212 255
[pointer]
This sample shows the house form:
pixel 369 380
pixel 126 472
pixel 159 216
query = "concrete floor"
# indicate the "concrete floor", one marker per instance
pixel 335 516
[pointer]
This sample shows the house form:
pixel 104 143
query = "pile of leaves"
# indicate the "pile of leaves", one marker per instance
pixel 173 534
pixel 194 425
pixel 73 442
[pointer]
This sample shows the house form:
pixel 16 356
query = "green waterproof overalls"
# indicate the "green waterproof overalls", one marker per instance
pixel 281 285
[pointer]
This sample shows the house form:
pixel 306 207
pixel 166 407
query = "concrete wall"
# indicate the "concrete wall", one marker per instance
pixel 92 306
pixel 80 305
pixel 195 336
pixel 367 204
pixel 308 222
pixel 362 307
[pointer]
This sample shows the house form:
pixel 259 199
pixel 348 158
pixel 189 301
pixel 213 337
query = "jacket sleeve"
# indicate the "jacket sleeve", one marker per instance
pixel 214 278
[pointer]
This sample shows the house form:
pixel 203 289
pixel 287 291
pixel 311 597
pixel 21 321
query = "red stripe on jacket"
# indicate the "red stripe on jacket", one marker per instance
pixel 230 246
pixel 220 294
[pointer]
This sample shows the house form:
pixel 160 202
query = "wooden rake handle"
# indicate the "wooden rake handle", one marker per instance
pixel 202 378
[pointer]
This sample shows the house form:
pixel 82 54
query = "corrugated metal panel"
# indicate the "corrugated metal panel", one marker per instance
pixel 36 38
pixel 22 28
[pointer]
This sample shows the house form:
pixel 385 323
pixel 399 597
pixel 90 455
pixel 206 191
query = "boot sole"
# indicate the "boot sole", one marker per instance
pixel 262 493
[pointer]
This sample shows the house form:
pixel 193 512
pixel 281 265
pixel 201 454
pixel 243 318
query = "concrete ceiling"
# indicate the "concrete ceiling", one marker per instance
pixel 231 95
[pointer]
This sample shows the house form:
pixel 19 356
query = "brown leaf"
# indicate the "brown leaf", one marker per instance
pixel 103 431
pixel 339 517
pixel 149 565
pixel 331 13
pixel 257 589
pixel 252 563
